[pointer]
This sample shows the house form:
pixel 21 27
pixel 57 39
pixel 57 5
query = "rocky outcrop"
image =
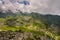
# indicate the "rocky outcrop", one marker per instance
pixel 18 35
pixel 10 35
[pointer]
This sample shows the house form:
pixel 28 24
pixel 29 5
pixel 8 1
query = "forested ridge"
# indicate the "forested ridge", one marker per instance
pixel 29 26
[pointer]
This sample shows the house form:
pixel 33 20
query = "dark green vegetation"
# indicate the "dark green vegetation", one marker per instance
pixel 40 27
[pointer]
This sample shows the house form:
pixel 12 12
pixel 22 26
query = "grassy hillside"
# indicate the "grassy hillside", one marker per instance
pixel 47 26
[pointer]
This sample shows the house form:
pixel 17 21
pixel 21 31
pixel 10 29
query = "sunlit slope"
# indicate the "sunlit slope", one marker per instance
pixel 29 23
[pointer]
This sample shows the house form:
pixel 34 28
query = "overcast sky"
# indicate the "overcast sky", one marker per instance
pixel 41 6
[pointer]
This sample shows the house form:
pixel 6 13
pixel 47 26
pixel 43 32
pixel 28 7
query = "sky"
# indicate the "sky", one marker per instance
pixel 40 6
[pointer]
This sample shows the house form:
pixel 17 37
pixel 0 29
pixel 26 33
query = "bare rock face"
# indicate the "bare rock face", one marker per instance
pixel 10 35
pixel 13 35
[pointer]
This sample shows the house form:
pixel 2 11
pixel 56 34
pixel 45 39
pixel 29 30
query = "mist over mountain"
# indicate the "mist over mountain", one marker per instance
pixel 40 6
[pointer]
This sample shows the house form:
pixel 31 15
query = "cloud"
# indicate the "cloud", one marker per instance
pixel 46 6
pixel 40 6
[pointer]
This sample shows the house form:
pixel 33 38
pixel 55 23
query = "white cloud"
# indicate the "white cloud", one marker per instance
pixel 44 6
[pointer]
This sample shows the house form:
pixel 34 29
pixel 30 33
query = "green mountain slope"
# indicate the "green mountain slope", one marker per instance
pixel 47 26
